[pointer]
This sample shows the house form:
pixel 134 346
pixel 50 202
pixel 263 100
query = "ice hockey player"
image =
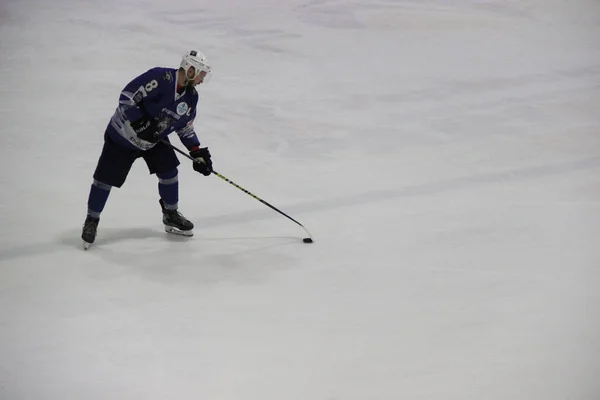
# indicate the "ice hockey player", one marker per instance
pixel 152 106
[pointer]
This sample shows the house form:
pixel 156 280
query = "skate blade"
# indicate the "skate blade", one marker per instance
pixel 175 231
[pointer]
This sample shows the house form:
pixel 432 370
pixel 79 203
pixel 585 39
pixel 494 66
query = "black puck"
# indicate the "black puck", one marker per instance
pixel 307 240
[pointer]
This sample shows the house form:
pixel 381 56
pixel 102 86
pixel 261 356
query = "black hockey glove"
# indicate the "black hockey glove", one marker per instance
pixel 146 129
pixel 204 164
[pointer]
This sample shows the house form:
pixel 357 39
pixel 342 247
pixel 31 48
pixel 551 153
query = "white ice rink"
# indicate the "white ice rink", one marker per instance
pixel 445 155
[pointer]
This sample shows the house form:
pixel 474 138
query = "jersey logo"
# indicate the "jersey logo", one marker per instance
pixel 182 108
pixel 164 123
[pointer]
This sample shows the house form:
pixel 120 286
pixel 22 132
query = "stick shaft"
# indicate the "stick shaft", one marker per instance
pixel 237 186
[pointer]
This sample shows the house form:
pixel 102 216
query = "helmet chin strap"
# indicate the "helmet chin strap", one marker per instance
pixel 188 81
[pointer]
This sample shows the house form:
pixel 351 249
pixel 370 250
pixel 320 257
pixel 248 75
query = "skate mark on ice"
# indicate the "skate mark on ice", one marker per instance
pixel 457 184
pixel 427 189
pixel 111 235
pixel 71 240
pixel 29 250
pixel 408 14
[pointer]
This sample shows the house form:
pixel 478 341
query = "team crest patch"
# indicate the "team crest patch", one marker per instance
pixel 182 108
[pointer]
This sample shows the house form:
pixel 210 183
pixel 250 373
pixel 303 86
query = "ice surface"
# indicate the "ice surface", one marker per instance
pixel 444 154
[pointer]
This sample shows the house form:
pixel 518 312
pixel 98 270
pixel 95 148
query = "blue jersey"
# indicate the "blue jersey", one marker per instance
pixel 154 94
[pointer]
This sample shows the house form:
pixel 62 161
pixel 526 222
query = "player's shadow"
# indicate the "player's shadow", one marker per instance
pixel 113 235
pixel 156 256
pixel 71 240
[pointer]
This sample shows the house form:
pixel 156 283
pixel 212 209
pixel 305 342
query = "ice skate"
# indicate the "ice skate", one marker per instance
pixel 90 228
pixel 176 223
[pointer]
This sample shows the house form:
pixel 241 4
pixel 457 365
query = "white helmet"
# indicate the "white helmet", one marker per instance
pixel 197 60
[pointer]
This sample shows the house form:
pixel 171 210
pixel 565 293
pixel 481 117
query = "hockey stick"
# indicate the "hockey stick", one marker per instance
pixel 308 239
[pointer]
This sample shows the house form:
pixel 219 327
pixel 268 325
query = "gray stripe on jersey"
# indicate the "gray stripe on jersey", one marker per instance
pixel 130 101
pixel 187 132
pixel 123 128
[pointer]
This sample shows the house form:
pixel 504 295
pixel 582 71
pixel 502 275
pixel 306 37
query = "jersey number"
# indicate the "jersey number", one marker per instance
pixel 153 84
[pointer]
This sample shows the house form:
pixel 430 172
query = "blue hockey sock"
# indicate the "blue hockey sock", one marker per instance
pixel 168 188
pixel 97 199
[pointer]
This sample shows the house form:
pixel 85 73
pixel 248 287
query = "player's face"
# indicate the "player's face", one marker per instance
pixel 198 79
